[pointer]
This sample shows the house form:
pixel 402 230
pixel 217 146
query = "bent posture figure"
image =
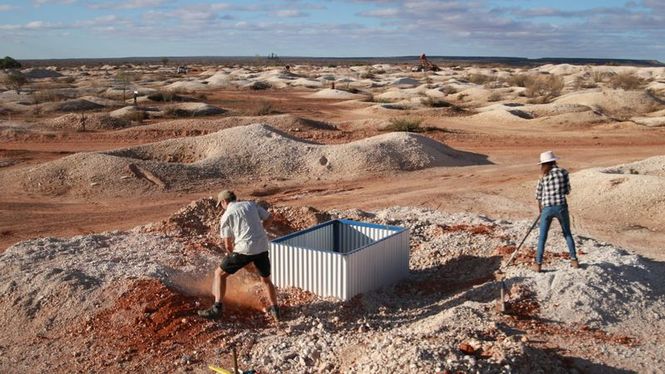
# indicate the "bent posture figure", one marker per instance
pixel 241 228
pixel 551 194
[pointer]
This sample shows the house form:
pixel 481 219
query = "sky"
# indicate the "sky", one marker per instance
pixel 333 28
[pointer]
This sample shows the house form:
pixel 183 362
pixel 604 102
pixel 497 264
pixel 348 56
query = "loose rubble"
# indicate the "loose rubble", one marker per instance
pixel 125 301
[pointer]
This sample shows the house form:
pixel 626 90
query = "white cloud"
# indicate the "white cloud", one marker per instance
pixel 381 13
pixel 44 2
pixel 6 7
pixel 289 13
pixel 126 4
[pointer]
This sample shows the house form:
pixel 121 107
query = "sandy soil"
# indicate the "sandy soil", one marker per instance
pixel 476 155
pixel 503 188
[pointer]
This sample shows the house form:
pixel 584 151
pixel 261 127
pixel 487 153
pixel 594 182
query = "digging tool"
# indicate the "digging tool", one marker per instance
pixel 500 275
pixel 523 240
pixel 221 370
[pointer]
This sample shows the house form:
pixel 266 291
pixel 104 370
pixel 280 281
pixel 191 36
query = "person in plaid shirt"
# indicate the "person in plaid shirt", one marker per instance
pixel 551 194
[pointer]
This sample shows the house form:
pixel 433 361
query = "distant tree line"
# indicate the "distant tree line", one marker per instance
pixel 9 63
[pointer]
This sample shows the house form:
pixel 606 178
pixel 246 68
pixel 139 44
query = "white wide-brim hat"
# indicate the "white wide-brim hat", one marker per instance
pixel 546 157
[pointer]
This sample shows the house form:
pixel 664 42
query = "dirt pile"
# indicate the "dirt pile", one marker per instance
pixel 625 197
pixel 257 151
pixel 614 103
pixel 95 121
pixel 74 105
pixel 126 300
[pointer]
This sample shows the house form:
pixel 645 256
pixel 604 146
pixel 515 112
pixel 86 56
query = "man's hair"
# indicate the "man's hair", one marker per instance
pixel 227 196
pixel 231 197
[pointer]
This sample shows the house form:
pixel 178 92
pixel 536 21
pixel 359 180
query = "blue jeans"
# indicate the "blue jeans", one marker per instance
pixel 546 216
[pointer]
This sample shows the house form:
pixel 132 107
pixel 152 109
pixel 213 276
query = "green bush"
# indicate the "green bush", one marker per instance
pixel 9 63
pixel 544 88
pixel 407 124
pixel 14 80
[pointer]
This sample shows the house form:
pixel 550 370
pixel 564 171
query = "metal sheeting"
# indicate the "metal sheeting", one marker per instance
pixel 352 237
pixel 341 258
pixel 321 272
pixel 321 239
pixel 382 263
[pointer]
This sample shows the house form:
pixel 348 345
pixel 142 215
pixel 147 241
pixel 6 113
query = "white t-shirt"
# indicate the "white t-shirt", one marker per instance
pixel 243 221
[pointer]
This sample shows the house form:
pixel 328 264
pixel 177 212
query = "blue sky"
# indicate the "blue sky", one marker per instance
pixel 345 28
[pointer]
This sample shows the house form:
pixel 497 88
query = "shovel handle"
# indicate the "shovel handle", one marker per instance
pixel 512 257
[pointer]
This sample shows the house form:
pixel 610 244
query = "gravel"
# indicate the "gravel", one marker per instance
pixel 607 315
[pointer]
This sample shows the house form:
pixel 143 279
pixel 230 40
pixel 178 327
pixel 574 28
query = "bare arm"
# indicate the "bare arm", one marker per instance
pixel 267 222
pixel 228 244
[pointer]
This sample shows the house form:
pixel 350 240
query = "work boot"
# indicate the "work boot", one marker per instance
pixel 274 312
pixel 574 264
pixel 536 267
pixel 214 312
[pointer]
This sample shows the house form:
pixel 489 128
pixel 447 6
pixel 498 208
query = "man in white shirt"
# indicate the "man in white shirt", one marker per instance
pixel 242 229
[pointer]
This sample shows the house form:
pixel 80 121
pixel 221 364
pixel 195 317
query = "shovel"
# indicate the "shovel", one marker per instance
pixel 512 257
pixel 500 275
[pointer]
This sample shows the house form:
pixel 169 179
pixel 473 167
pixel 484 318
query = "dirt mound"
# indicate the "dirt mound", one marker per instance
pixel 75 105
pixel 126 300
pixel 623 203
pixel 95 121
pixel 194 110
pixel 329 93
pixel 613 102
pixel 626 197
pixel 41 73
pixel 258 150
pixel 284 122
pixel 129 113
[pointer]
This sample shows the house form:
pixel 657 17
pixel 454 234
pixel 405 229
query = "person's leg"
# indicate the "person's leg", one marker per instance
pixel 564 220
pixel 262 263
pixel 270 289
pixel 219 285
pixel 545 221
pixel 230 265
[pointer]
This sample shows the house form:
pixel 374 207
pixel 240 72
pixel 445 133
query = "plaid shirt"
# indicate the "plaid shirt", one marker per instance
pixel 553 187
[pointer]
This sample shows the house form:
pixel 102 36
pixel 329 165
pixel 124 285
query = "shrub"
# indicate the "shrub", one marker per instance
pixel 435 103
pixel 407 124
pixel 517 80
pixel 601 76
pixel 264 108
pixel 369 74
pixel 14 80
pixel 448 90
pixel 137 116
pixel 581 82
pixel 172 111
pixel 9 63
pixel 494 96
pixel 260 85
pixel 68 79
pixel 49 95
pixel 544 88
pixel 480 78
pixel 626 81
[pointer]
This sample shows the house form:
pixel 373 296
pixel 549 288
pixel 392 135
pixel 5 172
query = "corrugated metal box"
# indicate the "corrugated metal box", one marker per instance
pixel 341 258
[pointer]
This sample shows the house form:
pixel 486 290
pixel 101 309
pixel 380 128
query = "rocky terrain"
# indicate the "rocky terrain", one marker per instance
pixel 126 301
pixel 104 260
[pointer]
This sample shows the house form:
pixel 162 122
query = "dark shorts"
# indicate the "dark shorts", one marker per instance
pixel 236 261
